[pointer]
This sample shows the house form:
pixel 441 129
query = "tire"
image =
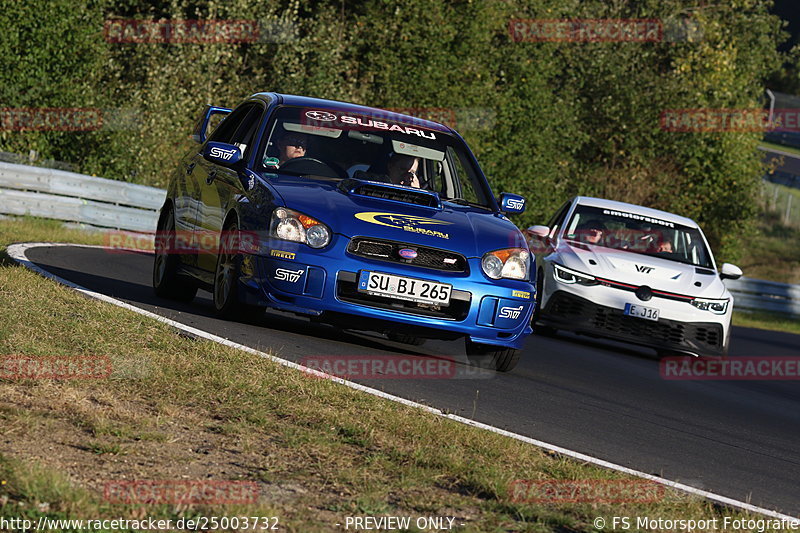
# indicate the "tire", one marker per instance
pixel 226 279
pixel 544 331
pixel 727 346
pixel 405 339
pixel 663 353
pixel 166 281
pixel 497 358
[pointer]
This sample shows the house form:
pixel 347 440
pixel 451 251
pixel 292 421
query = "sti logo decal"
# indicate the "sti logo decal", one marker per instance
pixel 410 223
pixel 644 269
pixel 283 274
pixel 222 154
pixel 510 312
pixel 514 203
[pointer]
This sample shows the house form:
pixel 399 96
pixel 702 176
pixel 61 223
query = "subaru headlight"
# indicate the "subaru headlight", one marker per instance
pixel 718 307
pixel 289 225
pixel 510 263
pixel 569 276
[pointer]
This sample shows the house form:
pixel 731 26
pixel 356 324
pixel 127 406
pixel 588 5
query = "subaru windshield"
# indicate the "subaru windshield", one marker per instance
pixel 639 234
pixel 327 145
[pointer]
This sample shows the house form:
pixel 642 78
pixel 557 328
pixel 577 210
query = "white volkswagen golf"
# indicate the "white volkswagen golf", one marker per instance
pixel 631 273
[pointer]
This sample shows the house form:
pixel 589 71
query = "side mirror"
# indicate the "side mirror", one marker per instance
pixel 511 203
pixel 538 238
pixel 538 231
pixel 222 153
pixel 199 133
pixel 730 271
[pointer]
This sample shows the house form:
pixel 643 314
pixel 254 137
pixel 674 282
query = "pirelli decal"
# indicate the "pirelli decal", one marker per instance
pixel 282 254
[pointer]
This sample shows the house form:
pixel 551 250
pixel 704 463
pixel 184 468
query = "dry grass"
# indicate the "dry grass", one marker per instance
pixel 180 409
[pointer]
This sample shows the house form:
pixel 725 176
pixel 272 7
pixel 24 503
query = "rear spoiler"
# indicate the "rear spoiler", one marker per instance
pixel 199 134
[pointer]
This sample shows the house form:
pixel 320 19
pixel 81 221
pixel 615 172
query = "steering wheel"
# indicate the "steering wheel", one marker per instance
pixel 310 165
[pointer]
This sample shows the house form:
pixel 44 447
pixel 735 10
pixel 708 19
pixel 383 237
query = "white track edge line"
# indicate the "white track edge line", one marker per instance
pixel 17 253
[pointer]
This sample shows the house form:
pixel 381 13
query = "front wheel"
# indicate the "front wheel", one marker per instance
pixel 226 276
pixel 226 280
pixel 544 331
pixel 499 358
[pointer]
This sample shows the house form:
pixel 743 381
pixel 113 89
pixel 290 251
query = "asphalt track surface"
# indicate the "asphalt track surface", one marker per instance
pixel 783 162
pixel 739 439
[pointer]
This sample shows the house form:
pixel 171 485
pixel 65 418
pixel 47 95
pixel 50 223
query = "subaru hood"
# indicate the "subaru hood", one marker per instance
pixel 471 231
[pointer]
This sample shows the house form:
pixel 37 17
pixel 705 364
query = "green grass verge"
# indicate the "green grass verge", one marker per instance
pixel 774 251
pixel 175 408
pixel 780 148
pixel 768 321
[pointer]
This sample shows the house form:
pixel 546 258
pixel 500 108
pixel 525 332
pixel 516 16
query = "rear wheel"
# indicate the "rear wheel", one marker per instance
pixel 166 281
pixel 499 358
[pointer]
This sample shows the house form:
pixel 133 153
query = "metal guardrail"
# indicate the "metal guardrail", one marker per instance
pixel 71 197
pixel 760 295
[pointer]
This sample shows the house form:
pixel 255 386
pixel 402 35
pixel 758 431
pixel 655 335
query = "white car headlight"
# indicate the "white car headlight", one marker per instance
pixel 509 263
pixel 569 276
pixel 291 225
pixel 718 307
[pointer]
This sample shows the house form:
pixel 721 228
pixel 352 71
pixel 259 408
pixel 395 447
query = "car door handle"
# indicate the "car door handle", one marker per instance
pixel 211 175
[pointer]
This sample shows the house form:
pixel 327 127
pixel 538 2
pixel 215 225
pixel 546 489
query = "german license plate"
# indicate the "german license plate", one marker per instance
pixel 640 311
pixel 402 288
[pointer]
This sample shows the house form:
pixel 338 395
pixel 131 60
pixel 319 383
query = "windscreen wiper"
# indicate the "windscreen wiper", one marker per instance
pixel 463 201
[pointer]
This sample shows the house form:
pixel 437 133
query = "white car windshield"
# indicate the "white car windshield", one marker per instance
pixel 322 144
pixel 639 234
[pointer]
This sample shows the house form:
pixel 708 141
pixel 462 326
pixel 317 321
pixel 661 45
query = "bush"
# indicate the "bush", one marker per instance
pixel 546 119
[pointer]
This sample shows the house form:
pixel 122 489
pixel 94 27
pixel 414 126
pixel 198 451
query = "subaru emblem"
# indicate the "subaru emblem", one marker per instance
pixel 407 253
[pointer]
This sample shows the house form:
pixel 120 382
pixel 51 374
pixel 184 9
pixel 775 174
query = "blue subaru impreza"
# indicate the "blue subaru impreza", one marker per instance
pixel 350 215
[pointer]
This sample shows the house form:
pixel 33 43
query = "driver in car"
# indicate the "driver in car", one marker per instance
pixel 591 232
pixel 403 170
pixel 290 146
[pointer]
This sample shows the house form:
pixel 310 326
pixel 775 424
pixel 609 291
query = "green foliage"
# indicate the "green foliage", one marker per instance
pixel 559 118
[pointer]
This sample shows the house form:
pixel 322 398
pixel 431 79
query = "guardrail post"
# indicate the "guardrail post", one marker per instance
pixel 788 208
